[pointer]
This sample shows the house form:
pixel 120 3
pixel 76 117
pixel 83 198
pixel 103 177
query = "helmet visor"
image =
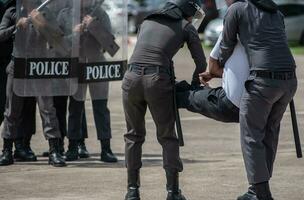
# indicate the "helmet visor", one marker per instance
pixel 198 17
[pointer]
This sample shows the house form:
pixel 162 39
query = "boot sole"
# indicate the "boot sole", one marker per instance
pixel 107 161
pixel 133 198
pixel 57 165
pixel 84 156
pixel 25 160
pixel 6 164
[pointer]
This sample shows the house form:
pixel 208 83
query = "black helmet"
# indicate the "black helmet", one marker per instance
pixel 188 7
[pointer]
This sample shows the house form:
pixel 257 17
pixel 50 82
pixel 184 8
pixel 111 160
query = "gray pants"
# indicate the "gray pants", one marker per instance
pixel 156 92
pixel 13 114
pixel 210 102
pixel 262 108
pixel 77 119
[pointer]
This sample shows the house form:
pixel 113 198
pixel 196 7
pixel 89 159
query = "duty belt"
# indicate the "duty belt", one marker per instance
pixel 287 75
pixel 146 70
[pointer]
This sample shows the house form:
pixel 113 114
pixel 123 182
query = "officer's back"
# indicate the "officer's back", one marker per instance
pixel 262 32
pixel 159 40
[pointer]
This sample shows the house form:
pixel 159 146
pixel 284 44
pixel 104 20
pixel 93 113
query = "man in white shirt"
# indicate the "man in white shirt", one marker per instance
pixel 222 103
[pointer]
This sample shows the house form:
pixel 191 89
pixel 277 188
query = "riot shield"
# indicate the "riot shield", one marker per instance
pixel 103 46
pixel 45 50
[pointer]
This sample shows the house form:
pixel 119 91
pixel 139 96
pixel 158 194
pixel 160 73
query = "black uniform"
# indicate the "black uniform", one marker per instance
pixel 27 124
pixel 148 83
pixel 270 87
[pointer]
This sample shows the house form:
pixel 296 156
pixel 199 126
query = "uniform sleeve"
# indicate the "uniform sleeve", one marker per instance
pixel 197 52
pixel 230 32
pixel 7 26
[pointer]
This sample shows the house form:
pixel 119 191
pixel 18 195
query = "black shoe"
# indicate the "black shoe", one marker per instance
pixel 21 154
pixel 28 149
pixel 174 193
pixel 61 150
pixel 133 185
pixel 55 158
pixel 257 192
pixel 72 153
pixel 82 150
pixel 7 157
pixel 106 152
pixel 133 194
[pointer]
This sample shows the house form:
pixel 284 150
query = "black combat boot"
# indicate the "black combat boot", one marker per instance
pixel 61 149
pixel 72 153
pixel 55 158
pixel 7 157
pixel 106 152
pixel 174 193
pixel 21 154
pixel 133 185
pixel 260 191
pixel 28 149
pixel 82 150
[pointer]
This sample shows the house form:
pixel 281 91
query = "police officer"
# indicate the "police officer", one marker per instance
pixel 148 83
pixel 27 128
pixel 15 103
pixel 90 51
pixel 269 89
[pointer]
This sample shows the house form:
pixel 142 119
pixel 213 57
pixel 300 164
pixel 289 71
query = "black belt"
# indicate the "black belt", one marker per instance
pixel 288 75
pixel 146 70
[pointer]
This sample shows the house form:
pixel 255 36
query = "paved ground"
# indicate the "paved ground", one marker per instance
pixel 212 160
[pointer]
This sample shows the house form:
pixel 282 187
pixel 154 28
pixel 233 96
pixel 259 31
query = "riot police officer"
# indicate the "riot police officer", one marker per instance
pixel 15 103
pixel 90 51
pixel 271 85
pixel 148 83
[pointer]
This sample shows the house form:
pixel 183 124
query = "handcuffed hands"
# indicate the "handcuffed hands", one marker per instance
pixel 205 77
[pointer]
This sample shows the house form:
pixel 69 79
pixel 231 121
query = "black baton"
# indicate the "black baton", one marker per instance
pixel 177 116
pixel 295 129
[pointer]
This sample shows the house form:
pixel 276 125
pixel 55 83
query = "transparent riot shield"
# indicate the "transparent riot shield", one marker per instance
pixel 46 50
pixel 103 46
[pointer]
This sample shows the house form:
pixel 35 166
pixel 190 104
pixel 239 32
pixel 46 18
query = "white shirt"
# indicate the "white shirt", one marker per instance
pixel 236 72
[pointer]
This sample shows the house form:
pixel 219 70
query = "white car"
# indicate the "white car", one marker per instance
pixel 293 11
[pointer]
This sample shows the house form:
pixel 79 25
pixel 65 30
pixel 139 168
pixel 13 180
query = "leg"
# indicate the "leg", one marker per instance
pixel 210 102
pixel 82 149
pixel 76 110
pixel 51 130
pixel 254 134
pixel 159 95
pixel 103 126
pixel 273 125
pixel 12 118
pixel 3 80
pixel 26 129
pixel 135 108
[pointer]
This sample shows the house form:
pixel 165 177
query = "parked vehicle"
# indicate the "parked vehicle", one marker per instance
pixel 293 11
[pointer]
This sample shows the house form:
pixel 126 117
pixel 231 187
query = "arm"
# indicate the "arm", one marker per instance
pixel 7 26
pixel 197 53
pixel 230 31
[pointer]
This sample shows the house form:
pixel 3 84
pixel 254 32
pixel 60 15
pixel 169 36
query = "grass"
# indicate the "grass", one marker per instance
pixel 296 48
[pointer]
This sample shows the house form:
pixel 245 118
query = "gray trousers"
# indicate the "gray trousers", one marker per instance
pixel 154 91
pixel 13 114
pixel 262 108
pixel 210 102
pixel 77 120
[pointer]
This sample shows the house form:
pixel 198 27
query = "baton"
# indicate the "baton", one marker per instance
pixel 295 129
pixel 44 4
pixel 179 129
